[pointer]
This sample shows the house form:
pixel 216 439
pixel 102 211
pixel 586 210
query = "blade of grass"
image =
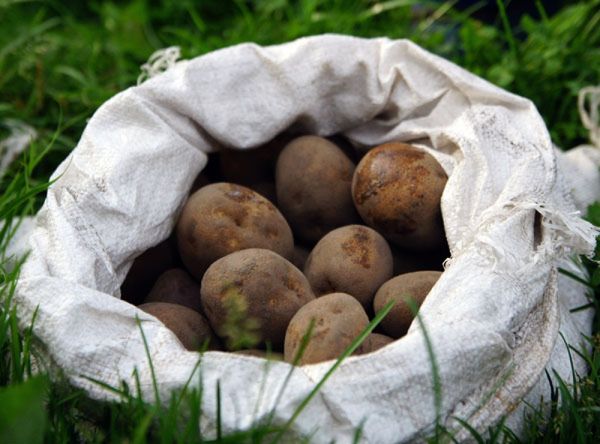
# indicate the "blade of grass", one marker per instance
pixel 150 364
pixel 508 34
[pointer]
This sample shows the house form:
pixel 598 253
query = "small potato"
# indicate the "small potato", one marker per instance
pixel 221 218
pixel 267 287
pixel 146 267
pixel 190 327
pixel 373 342
pixel 313 179
pixel 338 320
pixel 397 189
pixel 354 259
pixel 415 286
pixel 176 287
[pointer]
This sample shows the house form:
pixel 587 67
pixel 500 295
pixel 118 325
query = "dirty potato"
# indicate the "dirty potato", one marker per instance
pixel 262 284
pixel 415 286
pixel 337 320
pixel 397 189
pixel 354 259
pixel 221 218
pixel 313 178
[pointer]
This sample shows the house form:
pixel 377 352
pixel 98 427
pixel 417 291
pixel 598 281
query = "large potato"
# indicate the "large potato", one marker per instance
pixel 176 287
pixel 190 327
pixel 415 286
pixel 354 259
pixel 263 284
pixel 313 178
pixel 221 218
pixel 397 189
pixel 338 320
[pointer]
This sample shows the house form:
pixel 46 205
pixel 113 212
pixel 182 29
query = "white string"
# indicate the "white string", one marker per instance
pixel 159 62
pixel 591 120
pixel 21 135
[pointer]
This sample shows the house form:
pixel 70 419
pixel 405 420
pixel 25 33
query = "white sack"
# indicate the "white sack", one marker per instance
pixel 493 316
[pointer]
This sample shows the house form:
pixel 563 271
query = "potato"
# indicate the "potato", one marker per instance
pixel 373 342
pixel 176 287
pixel 146 267
pixel 221 218
pixel 397 189
pixel 313 179
pixel 263 284
pixel 354 259
pixel 338 320
pixel 414 285
pixel 190 327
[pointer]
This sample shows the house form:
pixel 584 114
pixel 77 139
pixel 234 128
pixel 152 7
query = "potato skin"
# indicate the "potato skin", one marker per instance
pixel 338 320
pixel 176 287
pixel 313 178
pixel 221 218
pixel 397 190
pixel 272 288
pixel 417 285
pixel 190 327
pixel 373 342
pixel 354 259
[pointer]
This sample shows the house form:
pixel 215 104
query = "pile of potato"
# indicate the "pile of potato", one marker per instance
pixel 244 275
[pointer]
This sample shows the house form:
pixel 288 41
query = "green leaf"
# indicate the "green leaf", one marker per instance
pixel 22 412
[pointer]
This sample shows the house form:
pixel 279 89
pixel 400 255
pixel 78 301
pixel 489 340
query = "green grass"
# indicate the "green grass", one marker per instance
pixel 59 61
